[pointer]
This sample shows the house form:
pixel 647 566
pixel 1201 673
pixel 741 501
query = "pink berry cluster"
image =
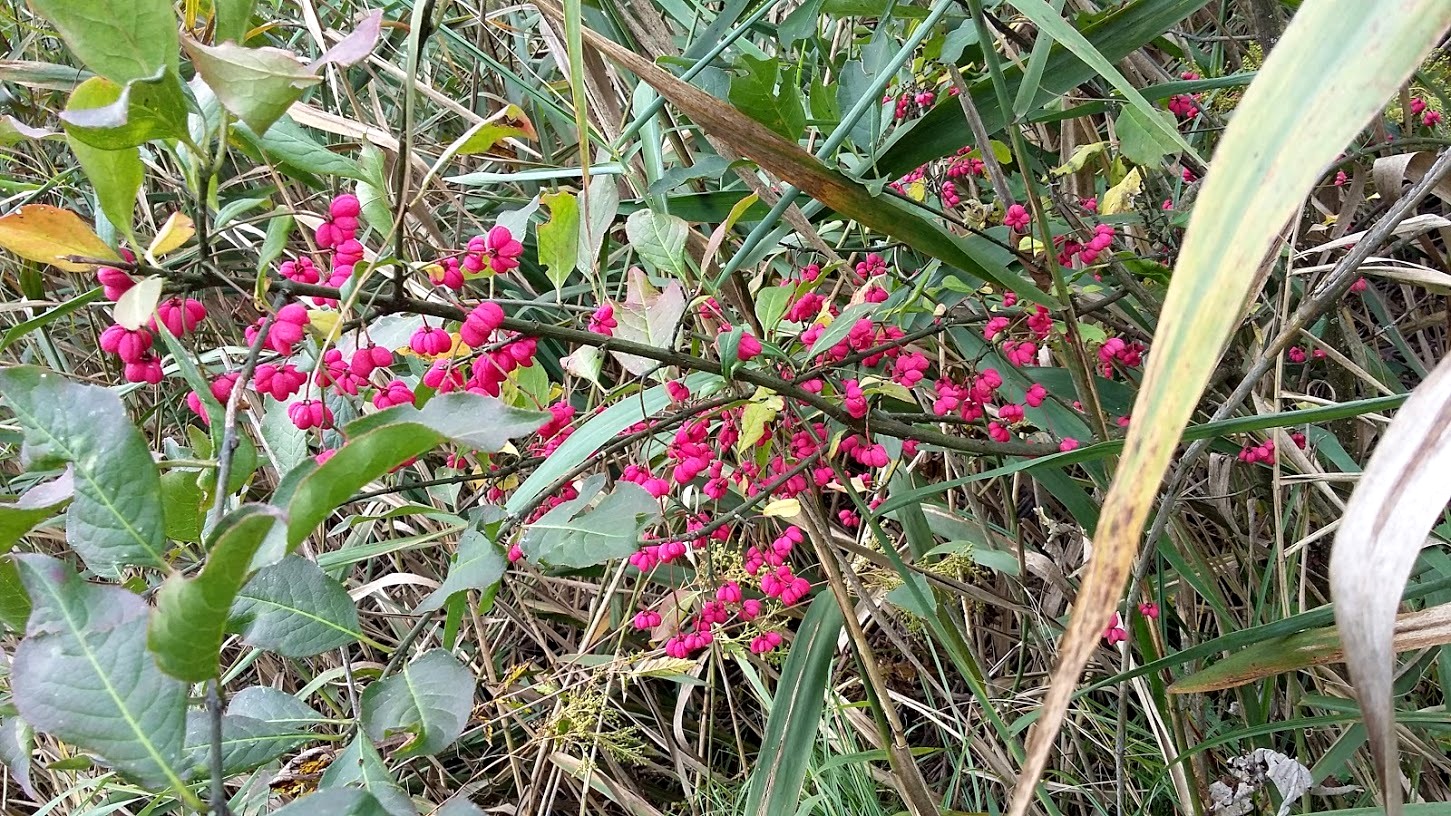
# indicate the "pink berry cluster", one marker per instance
pixel 910 103
pixel 1087 252
pixel 140 362
pixel 777 583
pixel 1185 106
pixel 1299 356
pixel 1265 451
pixel 1429 116
pixel 1116 352
pixel 339 234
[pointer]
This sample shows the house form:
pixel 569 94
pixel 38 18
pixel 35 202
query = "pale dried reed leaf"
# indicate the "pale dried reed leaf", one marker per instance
pixel 1401 494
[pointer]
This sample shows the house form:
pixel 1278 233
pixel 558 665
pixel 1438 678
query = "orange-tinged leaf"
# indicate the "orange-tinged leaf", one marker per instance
pixel 49 234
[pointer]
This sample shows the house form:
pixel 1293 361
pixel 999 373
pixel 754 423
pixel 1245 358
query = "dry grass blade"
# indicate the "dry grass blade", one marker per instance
pixel 1326 78
pixel 1401 494
pixel 1423 629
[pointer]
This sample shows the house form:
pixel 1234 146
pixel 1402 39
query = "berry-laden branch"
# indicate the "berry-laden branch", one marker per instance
pixel 874 421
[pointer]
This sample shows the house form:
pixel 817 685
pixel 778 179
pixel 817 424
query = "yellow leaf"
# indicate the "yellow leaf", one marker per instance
pixel 1120 197
pixel 177 230
pixel 917 191
pixel 754 419
pixel 1030 245
pixel 322 322
pixel 782 508
pixel 1080 158
pixel 49 234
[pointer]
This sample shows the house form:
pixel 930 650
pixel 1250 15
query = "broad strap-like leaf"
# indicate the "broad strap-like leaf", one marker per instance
pixel 1332 71
pixel 190 620
pixel 430 698
pixel 795 720
pixel 593 528
pixel 116 517
pixel 83 674
pixel 380 442
pixel 1316 647
pixel 294 609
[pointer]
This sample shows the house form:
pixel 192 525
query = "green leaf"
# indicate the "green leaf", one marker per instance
pixel 761 93
pixel 659 239
pixel 705 167
pixel 116 518
pixel 230 19
pixel 272 705
pixel 289 143
pixel 260 724
pixel 335 802
pixel 83 674
pixel 187 628
pixel 479 564
pixel 184 505
pixel 1141 141
pixel 39 503
pixel 559 237
pixel 771 304
pixel 1052 24
pixel 360 766
pixel 430 698
pixel 294 609
pixel 840 327
pixel 603 197
pixel 107 116
pixel 593 528
pixel 121 40
pixel 379 442
pixel 14 601
pixel 116 176
pixel 795 718
pixel 257 85
pixel 247 743
pixel 17 743
pixel 484 136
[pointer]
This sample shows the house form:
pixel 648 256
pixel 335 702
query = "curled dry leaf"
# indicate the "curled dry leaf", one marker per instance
pixel 1400 496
